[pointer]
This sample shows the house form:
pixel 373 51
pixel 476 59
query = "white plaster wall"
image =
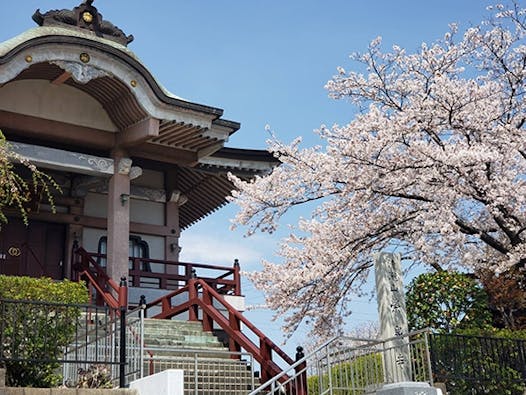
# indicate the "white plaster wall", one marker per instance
pixel 156 245
pixel 151 179
pixel 146 212
pixel 141 211
pixel 95 205
pixel 91 237
pixel 55 102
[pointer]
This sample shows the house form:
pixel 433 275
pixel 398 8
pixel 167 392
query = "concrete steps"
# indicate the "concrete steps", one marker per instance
pixel 175 344
pixel 167 336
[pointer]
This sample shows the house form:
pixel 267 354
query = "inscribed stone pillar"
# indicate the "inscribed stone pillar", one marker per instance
pixel 119 220
pixel 393 317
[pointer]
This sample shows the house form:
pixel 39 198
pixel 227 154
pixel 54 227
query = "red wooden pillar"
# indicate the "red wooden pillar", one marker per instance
pixel 208 323
pixel 192 297
pixel 236 326
pixel 266 357
pixel 188 273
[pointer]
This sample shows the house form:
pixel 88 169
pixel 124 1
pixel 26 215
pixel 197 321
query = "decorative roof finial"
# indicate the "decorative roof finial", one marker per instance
pixel 85 16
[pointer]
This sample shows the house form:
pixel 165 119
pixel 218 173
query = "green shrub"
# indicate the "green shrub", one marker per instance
pixel 446 301
pixel 33 332
pixel 349 378
pixel 481 361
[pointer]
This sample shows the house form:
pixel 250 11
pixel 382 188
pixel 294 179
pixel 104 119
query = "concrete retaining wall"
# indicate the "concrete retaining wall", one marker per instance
pixel 59 391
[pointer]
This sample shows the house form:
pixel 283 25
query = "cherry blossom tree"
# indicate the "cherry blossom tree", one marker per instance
pixel 433 164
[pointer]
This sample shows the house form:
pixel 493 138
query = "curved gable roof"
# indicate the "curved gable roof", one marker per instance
pixel 186 134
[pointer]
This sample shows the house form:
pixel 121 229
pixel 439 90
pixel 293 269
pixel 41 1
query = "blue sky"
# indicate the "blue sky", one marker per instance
pixel 263 62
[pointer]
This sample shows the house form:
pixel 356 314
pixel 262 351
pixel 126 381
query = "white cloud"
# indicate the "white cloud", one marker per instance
pixel 222 248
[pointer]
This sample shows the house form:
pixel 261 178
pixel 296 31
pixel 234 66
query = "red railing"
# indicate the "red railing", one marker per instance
pixel 202 297
pixel 161 274
pixel 107 290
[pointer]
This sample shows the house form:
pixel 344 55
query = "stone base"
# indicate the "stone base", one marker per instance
pixel 408 388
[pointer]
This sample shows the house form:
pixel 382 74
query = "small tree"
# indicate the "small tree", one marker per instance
pixel 507 297
pixel 15 191
pixel 446 301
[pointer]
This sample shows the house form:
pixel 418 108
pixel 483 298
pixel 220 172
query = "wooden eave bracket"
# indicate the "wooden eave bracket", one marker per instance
pixel 138 133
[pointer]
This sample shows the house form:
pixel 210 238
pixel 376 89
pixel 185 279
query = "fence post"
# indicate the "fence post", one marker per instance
pixel 122 348
pixel 237 278
pixel 74 274
pixel 123 306
pixel 301 373
pixel 430 365
pixel 142 302
pixel 235 324
pixel 123 293
pixel 142 315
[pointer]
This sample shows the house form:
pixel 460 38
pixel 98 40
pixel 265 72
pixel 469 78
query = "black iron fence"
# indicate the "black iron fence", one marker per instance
pixel 479 365
pixel 39 340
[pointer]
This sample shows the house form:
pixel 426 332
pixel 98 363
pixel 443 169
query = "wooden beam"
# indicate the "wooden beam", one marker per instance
pixel 91 222
pixel 57 159
pixel 61 78
pixel 66 133
pixel 138 133
pixel 163 153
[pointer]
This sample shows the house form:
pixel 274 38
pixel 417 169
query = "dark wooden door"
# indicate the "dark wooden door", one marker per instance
pixel 34 250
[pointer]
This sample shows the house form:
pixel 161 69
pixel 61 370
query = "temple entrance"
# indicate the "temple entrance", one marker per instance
pixel 36 250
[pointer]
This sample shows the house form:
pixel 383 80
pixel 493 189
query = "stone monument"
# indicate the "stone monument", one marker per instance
pixel 394 329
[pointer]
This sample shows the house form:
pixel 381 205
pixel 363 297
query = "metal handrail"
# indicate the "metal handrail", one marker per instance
pixel 296 371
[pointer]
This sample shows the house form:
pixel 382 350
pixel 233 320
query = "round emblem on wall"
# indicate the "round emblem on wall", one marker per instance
pixel 14 251
pixel 84 57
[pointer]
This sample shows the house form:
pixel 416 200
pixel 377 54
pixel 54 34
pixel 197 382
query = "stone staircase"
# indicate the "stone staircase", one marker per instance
pixel 207 363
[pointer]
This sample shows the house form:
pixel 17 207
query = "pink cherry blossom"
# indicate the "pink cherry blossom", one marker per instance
pixel 434 164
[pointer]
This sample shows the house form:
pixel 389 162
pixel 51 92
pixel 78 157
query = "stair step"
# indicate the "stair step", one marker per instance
pixel 182 336
pixel 177 344
pixel 172 323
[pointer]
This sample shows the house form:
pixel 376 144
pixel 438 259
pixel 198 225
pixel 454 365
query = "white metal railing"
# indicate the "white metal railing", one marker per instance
pixel 355 366
pixel 100 344
pixel 221 371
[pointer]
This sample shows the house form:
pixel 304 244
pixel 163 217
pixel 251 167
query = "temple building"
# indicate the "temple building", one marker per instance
pixel 137 164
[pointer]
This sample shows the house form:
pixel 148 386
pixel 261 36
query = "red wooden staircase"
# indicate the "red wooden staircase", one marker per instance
pixel 200 298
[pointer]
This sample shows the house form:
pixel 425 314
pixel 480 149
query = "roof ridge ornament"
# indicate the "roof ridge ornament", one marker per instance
pixel 85 16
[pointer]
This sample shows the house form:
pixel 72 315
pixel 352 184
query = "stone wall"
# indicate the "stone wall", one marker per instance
pixel 59 391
